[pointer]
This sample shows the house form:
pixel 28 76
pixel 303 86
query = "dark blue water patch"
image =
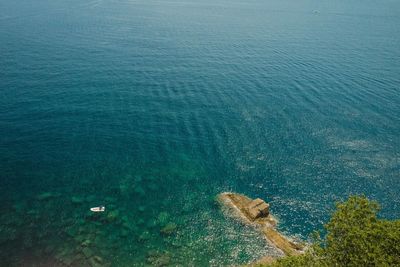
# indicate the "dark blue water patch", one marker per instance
pixel 153 108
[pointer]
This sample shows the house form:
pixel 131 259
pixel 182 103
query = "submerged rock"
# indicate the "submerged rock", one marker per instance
pixel 71 231
pixel 125 221
pixel 124 188
pixel 110 200
pixel 169 229
pixel 64 252
pixel 113 215
pixel 90 198
pixel 7 234
pixel 256 213
pixel 162 218
pixel 159 259
pixel 77 200
pixel 86 243
pixel 144 236
pixel 68 260
pixel 140 191
pixel 124 233
pixel 20 207
pixel 153 186
pixel 151 223
pixel 96 261
pixel 87 252
pixel 151 178
pixel 131 226
pixel 32 213
pixel 46 196
pixel 138 178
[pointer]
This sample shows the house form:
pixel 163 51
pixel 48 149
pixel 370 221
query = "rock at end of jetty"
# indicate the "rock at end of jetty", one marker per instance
pixel 258 208
pixel 255 212
pixel 247 209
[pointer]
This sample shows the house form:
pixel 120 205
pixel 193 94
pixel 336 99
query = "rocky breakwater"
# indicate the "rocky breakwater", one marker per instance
pixel 255 212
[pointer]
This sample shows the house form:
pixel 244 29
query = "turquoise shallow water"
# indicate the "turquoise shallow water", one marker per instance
pixel 151 108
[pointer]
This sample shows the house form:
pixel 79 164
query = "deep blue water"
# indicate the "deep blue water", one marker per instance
pixel 151 108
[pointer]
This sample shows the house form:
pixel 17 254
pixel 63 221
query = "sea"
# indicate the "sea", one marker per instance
pixel 151 108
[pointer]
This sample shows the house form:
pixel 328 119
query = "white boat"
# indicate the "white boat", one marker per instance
pixel 98 209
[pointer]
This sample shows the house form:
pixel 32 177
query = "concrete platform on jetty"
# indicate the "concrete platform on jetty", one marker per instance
pixel 255 212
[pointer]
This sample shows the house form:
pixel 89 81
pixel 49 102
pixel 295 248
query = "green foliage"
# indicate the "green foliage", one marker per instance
pixel 355 237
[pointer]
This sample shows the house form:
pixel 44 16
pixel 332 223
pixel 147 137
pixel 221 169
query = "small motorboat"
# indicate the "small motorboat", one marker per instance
pixel 98 209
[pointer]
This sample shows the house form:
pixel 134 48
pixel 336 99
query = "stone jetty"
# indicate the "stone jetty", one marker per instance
pixel 255 212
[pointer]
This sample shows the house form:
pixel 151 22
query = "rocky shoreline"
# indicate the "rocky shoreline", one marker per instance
pixel 255 212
